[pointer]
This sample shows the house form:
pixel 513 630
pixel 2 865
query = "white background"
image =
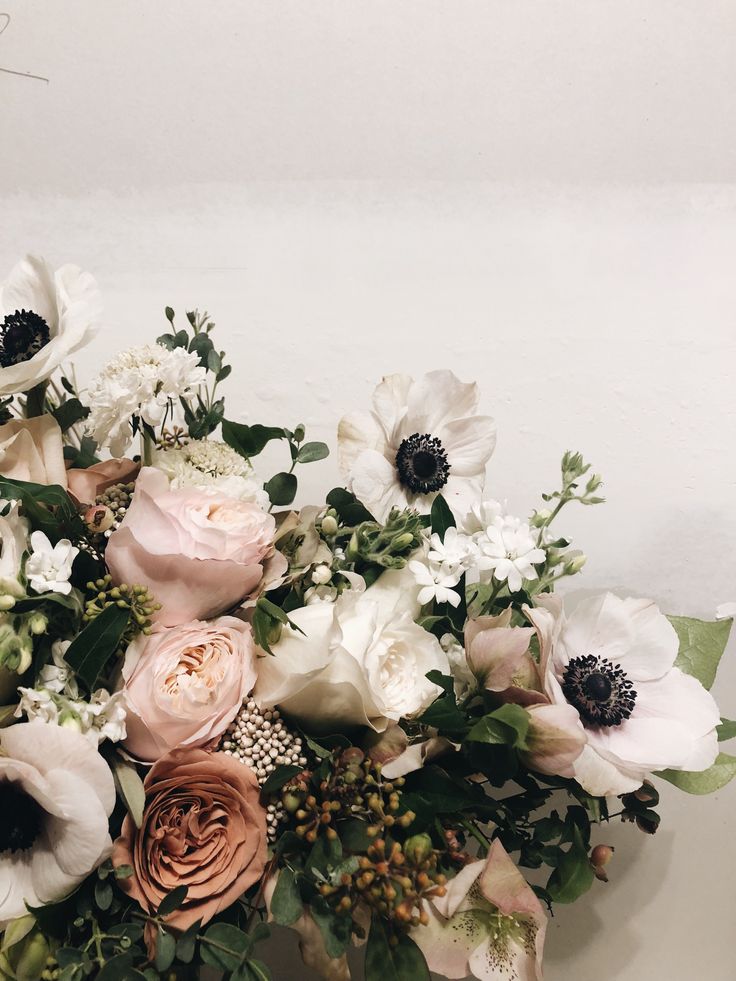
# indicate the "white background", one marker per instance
pixel 536 194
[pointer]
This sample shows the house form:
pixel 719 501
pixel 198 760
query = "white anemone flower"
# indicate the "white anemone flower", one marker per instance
pixel 421 438
pixel 45 316
pixel 613 660
pixel 56 795
pixel 49 566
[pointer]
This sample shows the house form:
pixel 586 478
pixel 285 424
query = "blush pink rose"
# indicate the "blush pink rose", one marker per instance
pixel 199 552
pixel 184 685
pixel 85 485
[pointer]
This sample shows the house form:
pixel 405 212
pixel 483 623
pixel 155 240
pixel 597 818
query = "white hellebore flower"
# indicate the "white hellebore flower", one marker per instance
pixel 489 924
pixel 613 660
pixel 509 548
pixel 57 794
pixel 420 439
pixel 45 316
pixel 361 660
pixel 49 566
pixel 145 382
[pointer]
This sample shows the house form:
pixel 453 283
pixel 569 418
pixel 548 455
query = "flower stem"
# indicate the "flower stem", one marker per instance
pixel 146 448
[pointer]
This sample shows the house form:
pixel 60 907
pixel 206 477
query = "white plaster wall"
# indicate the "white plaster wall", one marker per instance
pixel 537 195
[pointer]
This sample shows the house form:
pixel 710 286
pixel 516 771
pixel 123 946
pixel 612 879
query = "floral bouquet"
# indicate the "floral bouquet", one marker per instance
pixel 371 719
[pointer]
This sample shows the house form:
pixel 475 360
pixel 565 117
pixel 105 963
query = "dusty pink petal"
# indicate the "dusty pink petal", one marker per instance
pixel 502 884
pixel 85 485
pixel 496 653
pixel 385 747
pixel 555 739
pixel 188 589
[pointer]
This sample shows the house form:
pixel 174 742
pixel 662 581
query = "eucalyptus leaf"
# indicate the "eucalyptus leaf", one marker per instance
pixel 224 946
pixel 311 452
pixel 173 900
pixel 165 951
pixel 281 488
pixel 130 788
pixel 249 440
pixel 348 507
pixel 286 902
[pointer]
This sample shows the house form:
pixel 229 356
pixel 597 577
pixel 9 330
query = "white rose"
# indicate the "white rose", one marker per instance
pixel 360 661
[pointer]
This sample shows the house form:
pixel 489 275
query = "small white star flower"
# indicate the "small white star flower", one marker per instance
pixel 437 582
pixel 457 552
pixel 509 549
pixel 50 566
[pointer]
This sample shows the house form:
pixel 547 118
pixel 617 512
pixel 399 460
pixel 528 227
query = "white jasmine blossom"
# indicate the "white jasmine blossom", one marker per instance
pixel 210 464
pixel 421 438
pixel 508 547
pixel 58 676
pixel 144 382
pixel 437 581
pixel 102 717
pixel 456 552
pixel 49 566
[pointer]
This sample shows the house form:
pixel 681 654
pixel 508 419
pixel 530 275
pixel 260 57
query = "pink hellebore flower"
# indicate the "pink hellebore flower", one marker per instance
pixel 489 924
pixel 499 657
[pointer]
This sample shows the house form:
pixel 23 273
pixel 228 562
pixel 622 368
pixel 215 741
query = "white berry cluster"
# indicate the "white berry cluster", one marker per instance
pixel 263 741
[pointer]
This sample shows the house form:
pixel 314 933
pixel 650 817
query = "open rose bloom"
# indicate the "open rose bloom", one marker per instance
pixel 367 717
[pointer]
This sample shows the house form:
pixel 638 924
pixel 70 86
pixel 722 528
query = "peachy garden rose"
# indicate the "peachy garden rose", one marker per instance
pixel 371 719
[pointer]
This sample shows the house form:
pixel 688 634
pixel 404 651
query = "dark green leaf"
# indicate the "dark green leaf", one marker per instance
pixel 69 413
pixel 187 942
pixel 123 871
pixel 94 646
pixel 201 345
pixel 280 776
pixel 507 725
pixel 310 452
pixel 702 643
pixel 48 508
pixel 403 961
pixel 223 373
pixel 224 946
pixel 129 786
pixel 281 488
pixel 103 895
pixel 172 901
pixel 441 517
pixel 249 440
pixel 335 929
pixel 726 730
pixel 705 781
pixel 574 874
pixel 214 362
pixel 169 313
pixel 286 903
pixel 165 951
pixel 348 507
pixel 120 968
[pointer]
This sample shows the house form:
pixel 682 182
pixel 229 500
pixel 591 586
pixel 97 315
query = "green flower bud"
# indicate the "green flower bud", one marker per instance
pixel 418 848
pixel 69 719
pixel 38 623
pixel 329 525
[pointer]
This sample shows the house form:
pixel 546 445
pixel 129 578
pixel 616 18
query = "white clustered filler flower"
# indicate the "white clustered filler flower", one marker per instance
pixel 448 559
pixel 49 566
pixel 56 700
pixel 261 740
pixel 211 465
pixel 144 382
pixel 509 548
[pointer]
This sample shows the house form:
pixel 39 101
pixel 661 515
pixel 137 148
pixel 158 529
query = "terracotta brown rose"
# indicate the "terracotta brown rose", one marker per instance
pixel 203 827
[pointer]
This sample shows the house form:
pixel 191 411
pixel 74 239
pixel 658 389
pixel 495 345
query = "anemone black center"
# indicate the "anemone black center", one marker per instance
pixel 21 818
pixel 22 334
pixel 422 464
pixel 599 690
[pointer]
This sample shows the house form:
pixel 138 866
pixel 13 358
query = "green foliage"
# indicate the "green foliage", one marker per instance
pixel 400 961
pixel 506 726
pixel 726 730
pixel 48 508
pixel 706 781
pixel 702 643
pixel 574 874
pixel 281 488
pixel 286 902
pixel 249 441
pixel 95 645
pixel 349 509
pixel 267 622
pixel 441 517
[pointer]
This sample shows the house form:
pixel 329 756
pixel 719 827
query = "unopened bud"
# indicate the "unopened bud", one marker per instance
pixel 418 848
pixel 575 563
pixel 7 602
pixel 329 525
pixel 98 518
pixel 38 623
pixel 70 720
pixel 321 575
